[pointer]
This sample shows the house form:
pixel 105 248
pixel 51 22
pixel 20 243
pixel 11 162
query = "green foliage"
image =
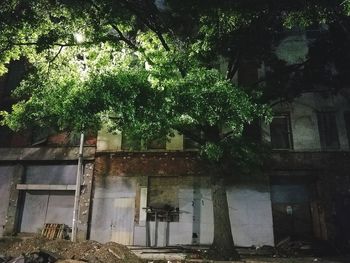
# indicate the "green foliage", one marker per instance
pixel 148 70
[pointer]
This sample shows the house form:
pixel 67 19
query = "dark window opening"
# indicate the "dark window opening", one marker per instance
pixel 190 144
pixel 347 124
pixel 327 127
pixel 5 136
pixel 281 133
pixel 157 144
pixel 39 136
pixel 252 131
pixel 130 143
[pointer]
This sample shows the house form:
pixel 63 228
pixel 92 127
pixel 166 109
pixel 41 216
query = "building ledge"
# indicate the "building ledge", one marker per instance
pixel 52 187
pixel 45 153
pixel 148 153
pixel 331 160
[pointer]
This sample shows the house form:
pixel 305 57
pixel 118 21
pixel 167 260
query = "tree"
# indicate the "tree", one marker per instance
pixel 150 67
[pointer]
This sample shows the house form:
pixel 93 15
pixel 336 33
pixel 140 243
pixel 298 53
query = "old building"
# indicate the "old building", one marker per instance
pixel 169 178
pixel 303 192
pixel 159 194
pixel 38 171
pixel 308 174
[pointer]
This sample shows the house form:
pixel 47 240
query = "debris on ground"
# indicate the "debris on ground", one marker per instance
pixel 288 247
pixel 39 249
pixel 55 231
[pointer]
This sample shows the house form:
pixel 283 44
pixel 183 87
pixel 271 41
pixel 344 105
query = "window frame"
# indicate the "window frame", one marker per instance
pixel 346 116
pixel 323 128
pixel 289 131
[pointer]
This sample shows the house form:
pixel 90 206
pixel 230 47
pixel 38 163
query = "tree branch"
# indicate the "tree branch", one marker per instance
pixel 57 54
pixel 156 30
pixel 122 37
pixel 54 57
pixel 226 135
pixel 233 66
pixel 53 44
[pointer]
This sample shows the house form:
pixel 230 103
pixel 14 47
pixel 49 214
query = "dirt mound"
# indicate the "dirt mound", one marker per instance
pixel 88 251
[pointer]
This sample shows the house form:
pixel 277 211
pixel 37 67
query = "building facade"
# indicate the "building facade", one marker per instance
pixel 159 194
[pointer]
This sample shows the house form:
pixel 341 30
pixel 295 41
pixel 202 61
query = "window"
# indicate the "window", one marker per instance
pixel 327 127
pixel 347 124
pixel 188 143
pixel 281 133
pixel 252 131
pixel 131 143
pixel 5 136
pixel 157 144
pixel 39 136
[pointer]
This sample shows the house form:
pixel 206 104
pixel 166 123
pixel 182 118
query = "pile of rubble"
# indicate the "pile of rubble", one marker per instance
pixel 38 249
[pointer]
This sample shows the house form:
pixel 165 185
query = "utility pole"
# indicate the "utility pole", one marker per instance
pixel 77 190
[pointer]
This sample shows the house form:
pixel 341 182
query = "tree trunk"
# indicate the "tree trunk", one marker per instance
pixel 223 245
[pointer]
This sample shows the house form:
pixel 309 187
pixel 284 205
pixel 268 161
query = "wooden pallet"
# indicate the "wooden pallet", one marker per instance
pixel 53 231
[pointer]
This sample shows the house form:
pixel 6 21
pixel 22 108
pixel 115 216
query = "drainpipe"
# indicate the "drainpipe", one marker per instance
pixel 77 190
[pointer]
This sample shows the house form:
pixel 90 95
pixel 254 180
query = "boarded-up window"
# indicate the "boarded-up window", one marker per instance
pixel 347 124
pixel 280 130
pixel 327 127
pixel 163 195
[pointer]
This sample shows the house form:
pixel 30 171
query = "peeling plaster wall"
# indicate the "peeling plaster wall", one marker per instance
pixel 5 180
pixel 303 113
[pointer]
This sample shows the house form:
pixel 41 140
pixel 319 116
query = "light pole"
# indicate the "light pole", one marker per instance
pixel 77 190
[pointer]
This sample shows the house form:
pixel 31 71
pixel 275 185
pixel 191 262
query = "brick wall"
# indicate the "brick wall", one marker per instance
pixel 64 138
pixel 151 163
